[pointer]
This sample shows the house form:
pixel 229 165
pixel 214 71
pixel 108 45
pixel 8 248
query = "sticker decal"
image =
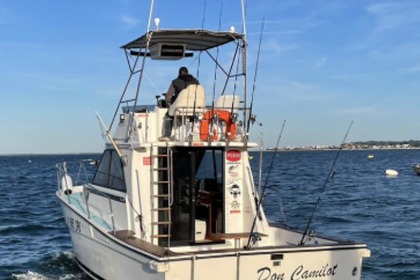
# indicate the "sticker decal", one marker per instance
pixel 235 191
pixel 233 155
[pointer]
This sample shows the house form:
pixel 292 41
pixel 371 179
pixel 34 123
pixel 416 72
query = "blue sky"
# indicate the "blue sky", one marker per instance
pixel 323 64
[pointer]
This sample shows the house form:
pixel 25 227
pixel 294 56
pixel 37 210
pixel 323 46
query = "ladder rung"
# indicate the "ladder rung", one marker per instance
pixel 161 169
pixel 162 195
pixel 161 182
pixel 161 155
pixel 160 235
pixel 162 223
pixel 162 209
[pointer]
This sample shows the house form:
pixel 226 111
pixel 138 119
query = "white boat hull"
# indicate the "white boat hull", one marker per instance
pixel 102 256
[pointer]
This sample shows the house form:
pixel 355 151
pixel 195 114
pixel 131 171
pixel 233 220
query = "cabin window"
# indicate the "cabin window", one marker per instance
pixel 110 173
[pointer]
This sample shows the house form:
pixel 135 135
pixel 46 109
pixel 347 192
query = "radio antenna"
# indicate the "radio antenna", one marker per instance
pixel 152 6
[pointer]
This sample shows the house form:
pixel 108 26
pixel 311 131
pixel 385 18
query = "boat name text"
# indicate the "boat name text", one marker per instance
pixel 265 274
pixel 75 224
pixel 299 273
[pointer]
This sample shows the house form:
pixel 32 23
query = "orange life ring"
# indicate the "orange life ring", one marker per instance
pixel 222 115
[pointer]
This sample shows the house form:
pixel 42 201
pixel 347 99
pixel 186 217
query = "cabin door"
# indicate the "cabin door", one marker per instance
pixel 182 210
pixel 197 209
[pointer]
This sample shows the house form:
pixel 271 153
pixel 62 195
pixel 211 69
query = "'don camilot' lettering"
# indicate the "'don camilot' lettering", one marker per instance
pixel 301 273
pixel 265 274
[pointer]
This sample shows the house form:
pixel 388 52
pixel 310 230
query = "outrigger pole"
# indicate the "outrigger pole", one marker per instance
pixel 244 61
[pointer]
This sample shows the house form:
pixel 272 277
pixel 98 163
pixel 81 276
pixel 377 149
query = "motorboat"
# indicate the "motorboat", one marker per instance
pixel 187 207
pixel 416 168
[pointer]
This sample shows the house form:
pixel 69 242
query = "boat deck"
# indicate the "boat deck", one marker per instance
pixel 128 237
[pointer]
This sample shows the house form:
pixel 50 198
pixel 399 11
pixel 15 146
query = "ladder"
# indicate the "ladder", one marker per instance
pixel 162 199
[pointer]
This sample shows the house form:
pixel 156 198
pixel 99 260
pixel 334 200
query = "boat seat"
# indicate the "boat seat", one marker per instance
pixel 224 102
pixel 190 97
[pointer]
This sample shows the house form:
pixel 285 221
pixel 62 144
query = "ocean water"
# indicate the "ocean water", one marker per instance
pixel 359 203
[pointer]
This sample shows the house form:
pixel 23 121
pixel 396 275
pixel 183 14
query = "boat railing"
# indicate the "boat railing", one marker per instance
pixel 209 124
pixel 70 174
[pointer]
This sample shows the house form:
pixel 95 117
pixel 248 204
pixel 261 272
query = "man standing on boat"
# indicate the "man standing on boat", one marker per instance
pixel 184 79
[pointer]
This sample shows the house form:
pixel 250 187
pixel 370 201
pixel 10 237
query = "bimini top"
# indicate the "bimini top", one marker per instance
pixel 194 40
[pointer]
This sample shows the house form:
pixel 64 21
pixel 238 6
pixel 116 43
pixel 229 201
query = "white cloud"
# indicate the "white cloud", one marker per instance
pixel 129 21
pixel 394 15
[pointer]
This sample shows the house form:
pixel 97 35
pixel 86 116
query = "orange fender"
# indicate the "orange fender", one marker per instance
pixel 221 115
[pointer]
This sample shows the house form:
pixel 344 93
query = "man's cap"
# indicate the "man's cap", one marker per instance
pixel 183 69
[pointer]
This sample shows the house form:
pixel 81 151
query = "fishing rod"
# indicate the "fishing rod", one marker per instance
pixel 216 62
pixel 256 196
pixel 199 56
pixel 255 76
pixel 261 164
pixel 330 175
pixel 281 208
pixel 107 133
pixel 234 88
pixel 198 77
pixel 251 232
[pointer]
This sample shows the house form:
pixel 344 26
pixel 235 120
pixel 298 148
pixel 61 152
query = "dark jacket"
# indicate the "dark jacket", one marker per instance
pixel 178 85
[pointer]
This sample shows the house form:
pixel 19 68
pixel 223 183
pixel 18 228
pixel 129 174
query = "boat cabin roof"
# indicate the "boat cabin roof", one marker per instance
pixel 194 39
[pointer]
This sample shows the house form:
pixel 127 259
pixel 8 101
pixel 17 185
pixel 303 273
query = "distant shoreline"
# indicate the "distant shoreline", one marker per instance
pixel 49 154
pixel 335 149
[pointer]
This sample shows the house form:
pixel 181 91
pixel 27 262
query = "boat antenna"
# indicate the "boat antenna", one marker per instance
pixel 255 77
pixel 152 5
pixel 330 175
pixel 204 15
pixel 243 17
pixel 252 238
